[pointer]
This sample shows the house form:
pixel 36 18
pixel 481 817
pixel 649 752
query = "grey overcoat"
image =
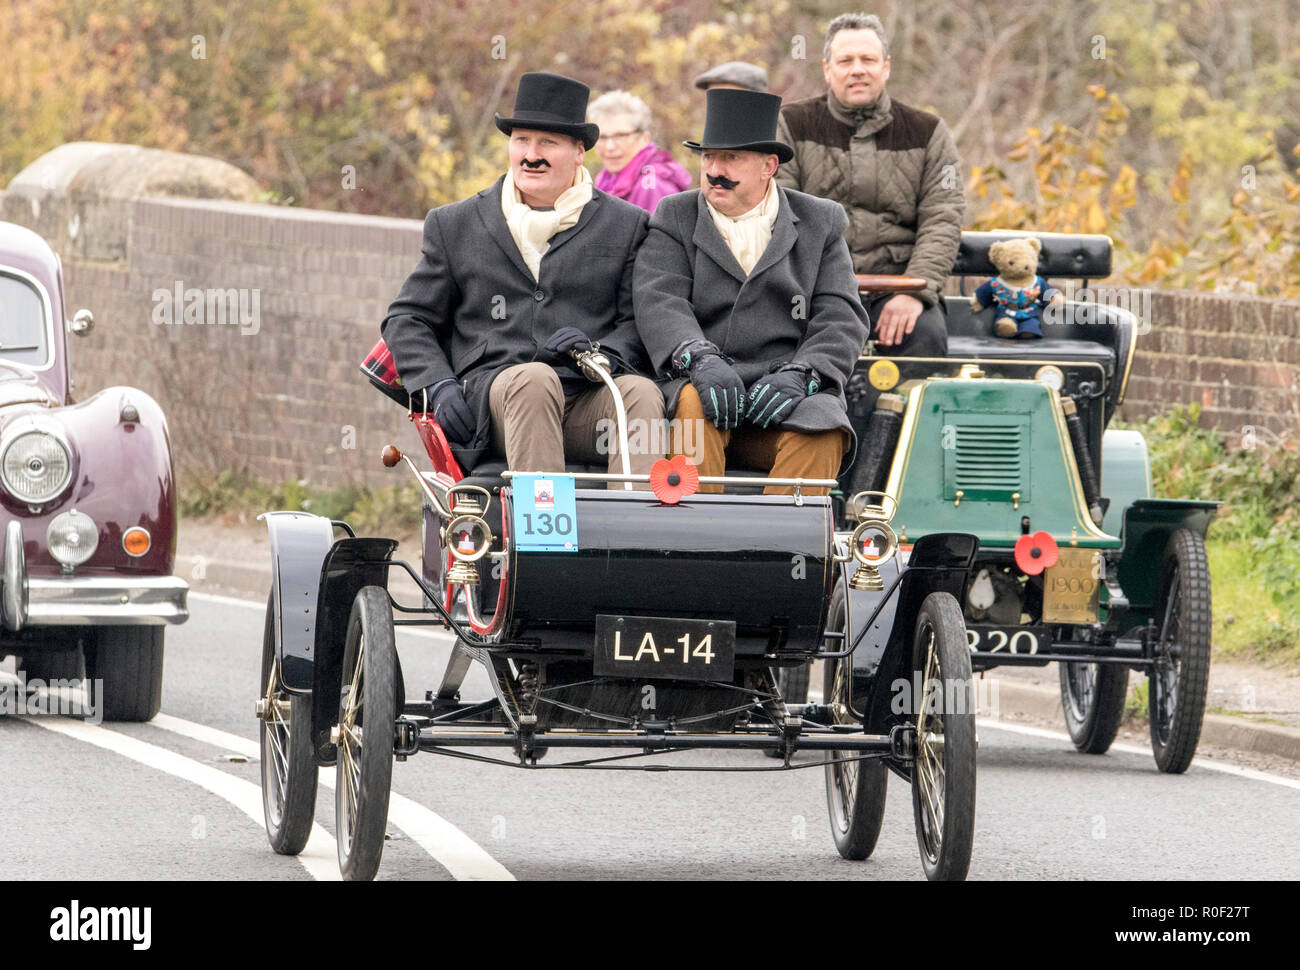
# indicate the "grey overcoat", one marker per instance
pixel 799 303
pixel 472 308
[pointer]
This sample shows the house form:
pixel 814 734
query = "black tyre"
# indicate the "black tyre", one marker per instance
pixel 367 712
pixel 51 666
pixel 1181 675
pixel 288 762
pixel 943 775
pixel 855 790
pixel 1092 697
pixel 124 670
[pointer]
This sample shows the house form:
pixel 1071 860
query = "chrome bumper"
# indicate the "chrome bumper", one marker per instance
pixel 85 600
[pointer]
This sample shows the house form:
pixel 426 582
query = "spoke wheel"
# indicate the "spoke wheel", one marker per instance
pixel 943 775
pixel 367 712
pixel 288 765
pixel 1181 674
pixel 1092 697
pixel 855 790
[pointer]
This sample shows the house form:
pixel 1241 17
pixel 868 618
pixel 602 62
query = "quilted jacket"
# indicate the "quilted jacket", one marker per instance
pixel 896 171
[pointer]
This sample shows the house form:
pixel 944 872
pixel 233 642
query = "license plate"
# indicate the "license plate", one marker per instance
pixel 1071 587
pixel 984 638
pixel 658 646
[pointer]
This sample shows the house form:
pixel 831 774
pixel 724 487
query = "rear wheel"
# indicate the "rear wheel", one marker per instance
pixel 367 712
pixel 1181 674
pixel 288 764
pixel 943 775
pixel 1092 697
pixel 124 671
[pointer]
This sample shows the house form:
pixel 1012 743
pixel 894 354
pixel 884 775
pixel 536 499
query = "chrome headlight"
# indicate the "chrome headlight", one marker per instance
pixel 35 467
pixel 72 537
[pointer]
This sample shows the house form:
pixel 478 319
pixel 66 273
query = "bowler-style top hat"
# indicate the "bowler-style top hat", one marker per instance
pixel 550 102
pixel 741 120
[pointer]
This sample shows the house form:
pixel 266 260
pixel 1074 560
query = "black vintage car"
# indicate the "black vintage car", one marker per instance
pixel 620 624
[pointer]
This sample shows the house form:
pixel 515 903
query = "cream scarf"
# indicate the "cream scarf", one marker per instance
pixel 748 234
pixel 531 228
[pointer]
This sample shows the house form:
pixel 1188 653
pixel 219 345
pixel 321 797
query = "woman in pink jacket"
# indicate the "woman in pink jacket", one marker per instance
pixel 636 169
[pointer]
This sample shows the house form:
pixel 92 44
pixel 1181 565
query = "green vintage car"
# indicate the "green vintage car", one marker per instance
pixel 1007 440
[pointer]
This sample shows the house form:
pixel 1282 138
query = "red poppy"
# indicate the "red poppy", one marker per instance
pixel 1036 552
pixel 674 479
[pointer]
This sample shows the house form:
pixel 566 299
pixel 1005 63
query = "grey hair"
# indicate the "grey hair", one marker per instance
pixel 620 103
pixel 855 21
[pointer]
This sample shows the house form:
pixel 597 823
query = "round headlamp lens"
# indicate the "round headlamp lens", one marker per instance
pixel 72 537
pixel 36 467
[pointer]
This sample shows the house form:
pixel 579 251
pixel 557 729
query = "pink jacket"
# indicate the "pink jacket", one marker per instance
pixel 648 177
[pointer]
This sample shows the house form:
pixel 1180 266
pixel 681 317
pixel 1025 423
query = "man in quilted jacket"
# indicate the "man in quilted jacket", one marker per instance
pixel 895 170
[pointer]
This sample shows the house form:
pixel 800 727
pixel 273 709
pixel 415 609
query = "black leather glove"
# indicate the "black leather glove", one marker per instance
pixel 774 396
pixel 565 341
pixel 722 392
pixel 448 406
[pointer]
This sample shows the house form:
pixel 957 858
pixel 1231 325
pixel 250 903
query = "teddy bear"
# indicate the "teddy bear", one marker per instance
pixel 1018 292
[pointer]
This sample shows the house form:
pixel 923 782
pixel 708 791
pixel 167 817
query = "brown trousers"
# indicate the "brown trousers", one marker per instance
pixel 788 454
pixel 536 426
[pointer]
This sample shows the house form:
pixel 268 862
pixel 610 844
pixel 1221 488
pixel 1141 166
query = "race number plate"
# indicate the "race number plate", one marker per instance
pixel 545 513
pixel 1070 587
pixel 985 638
pixel 656 646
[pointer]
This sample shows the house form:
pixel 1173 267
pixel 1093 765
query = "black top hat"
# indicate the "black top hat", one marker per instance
pixel 550 102
pixel 742 120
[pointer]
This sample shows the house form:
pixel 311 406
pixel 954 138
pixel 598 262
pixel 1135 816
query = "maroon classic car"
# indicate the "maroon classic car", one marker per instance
pixel 87 504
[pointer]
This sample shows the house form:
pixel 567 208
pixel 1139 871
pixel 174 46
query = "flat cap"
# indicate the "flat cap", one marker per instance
pixel 749 76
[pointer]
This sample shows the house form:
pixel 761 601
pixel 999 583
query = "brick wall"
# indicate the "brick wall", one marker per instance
pixel 1238 356
pixel 289 402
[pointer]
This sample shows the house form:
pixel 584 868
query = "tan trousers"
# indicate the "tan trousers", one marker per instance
pixel 788 454
pixel 536 426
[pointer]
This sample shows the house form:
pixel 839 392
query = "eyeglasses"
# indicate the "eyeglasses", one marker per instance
pixel 620 136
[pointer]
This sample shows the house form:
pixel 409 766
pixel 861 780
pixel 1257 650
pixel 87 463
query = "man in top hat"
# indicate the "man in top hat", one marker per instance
pixel 738 75
pixel 747 302
pixel 513 281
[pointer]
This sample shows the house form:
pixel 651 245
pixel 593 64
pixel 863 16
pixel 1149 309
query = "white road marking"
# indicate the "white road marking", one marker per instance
pixel 1038 732
pixel 319 858
pixel 446 635
pixel 451 848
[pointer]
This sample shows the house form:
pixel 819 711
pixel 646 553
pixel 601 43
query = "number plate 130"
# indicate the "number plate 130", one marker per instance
pixel 544 513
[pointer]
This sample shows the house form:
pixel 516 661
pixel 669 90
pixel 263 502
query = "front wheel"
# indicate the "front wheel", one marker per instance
pixel 1092 697
pixel 367 712
pixel 1181 675
pixel 124 669
pixel 288 763
pixel 943 775
pixel 855 789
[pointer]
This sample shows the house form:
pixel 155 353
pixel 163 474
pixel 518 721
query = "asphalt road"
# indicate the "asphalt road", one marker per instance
pixel 165 800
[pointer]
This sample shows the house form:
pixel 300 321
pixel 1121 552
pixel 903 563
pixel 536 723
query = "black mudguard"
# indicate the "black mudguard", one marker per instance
pixel 938 563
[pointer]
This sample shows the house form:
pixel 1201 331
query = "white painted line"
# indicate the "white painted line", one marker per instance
pixel 451 848
pixel 319 858
pixel 1038 732
pixel 446 635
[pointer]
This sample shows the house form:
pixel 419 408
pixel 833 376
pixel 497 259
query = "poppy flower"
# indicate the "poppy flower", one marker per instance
pixel 674 479
pixel 1036 552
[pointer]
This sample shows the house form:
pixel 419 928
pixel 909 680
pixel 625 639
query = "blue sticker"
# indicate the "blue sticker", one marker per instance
pixel 544 513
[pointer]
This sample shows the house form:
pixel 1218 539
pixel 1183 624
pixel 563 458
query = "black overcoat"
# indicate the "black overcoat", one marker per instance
pixel 472 308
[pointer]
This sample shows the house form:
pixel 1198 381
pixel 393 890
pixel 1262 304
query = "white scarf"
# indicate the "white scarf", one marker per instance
pixel 748 234
pixel 531 228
